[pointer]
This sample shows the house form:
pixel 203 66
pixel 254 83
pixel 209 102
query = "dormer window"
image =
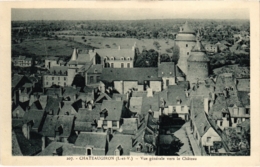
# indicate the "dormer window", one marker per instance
pixel 122 58
pixel 139 147
pixel 128 58
pixel 88 151
pixel 112 58
pixel 187 45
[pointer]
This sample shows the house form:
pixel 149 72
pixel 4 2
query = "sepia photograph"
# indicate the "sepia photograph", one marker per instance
pixel 104 83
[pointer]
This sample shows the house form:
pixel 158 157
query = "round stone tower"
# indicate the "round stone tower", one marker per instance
pixel 185 39
pixel 198 63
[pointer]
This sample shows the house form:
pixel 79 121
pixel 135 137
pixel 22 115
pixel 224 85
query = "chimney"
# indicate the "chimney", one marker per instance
pixel 187 93
pixel 83 103
pixel 75 97
pixel 60 105
pixel 149 92
pixel 51 112
pixel 74 86
pixel 206 105
pixel 170 109
pixel 89 106
pixel 119 47
pixel 122 85
pixel 20 91
pixel 211 104
pixel 225 93
pixel 102 88
pixel 43 143
pixel 213 95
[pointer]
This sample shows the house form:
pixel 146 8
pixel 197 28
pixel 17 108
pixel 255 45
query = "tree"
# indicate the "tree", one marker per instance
pixel 175 53
pixel 165 58
pixel 147 59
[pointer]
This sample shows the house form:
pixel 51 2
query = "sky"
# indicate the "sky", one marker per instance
pixel 127 14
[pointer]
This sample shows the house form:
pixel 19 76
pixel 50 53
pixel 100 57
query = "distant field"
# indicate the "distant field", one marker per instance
pixel 101 42
pixel 47 47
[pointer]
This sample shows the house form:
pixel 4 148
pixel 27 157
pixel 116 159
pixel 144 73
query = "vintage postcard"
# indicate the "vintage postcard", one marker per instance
pixel 130 83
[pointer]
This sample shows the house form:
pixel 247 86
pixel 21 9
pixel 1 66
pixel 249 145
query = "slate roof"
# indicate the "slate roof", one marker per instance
pixel 198 115
pixel 16 79
pixel 187 29
pixel 97 68
pixel 136 104
pixel 118 139
pixel 114 109
pixel 116 53
pixel 198 53
pixel 171 93
pixel 86 115
pixel 97 140
pixel 67 149
pixel 16 151
pixel 34 115
pixel 53 122
pixel 130 74
pixel 54 91
pixel 58 70
pixel 129 126
pixel 150 103
pixel 117 96
pixel 71 91
pixel 179 72
pixel 102 97
pixel 166 69
pixel 43 100
pixel 53 104
pixel 85 96
pixel 67 107
pixel 243 85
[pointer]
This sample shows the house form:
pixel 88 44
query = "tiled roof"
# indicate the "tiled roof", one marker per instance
pixel 130 74
pixel 97 140
pixel 166 69
pixel 116 53
pixel 118 139
pixel 114 109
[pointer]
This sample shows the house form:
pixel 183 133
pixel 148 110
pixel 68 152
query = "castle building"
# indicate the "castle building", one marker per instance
pixel 185 40
pixel 198 64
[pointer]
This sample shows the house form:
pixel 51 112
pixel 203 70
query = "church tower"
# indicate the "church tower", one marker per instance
pixel 185 40
pixel 198 63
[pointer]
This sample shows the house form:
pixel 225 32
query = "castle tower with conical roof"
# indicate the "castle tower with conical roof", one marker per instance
pixel 185 40
pixel 198 63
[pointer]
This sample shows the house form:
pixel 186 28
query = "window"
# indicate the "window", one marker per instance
pixel 128 65
pixel 114 123
pixel 188 53
pixel 122 58
pixel 122 65
pixel 128 58
pixel 208 139
pixel 247 111
pixel 65 78
pixel 221 123
pixel 112 65
pixel 98 78
pixel 58 78
pixel 187 45
pixel 64 83
pixel 52 83
pixel 58 83
pixel 167 82
pixel 235 120
pixel 46 78
pixel 52 78
pixel 112 58
pixel 89 151
pixel 105 123
pixel 91 79
pixel 46 83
